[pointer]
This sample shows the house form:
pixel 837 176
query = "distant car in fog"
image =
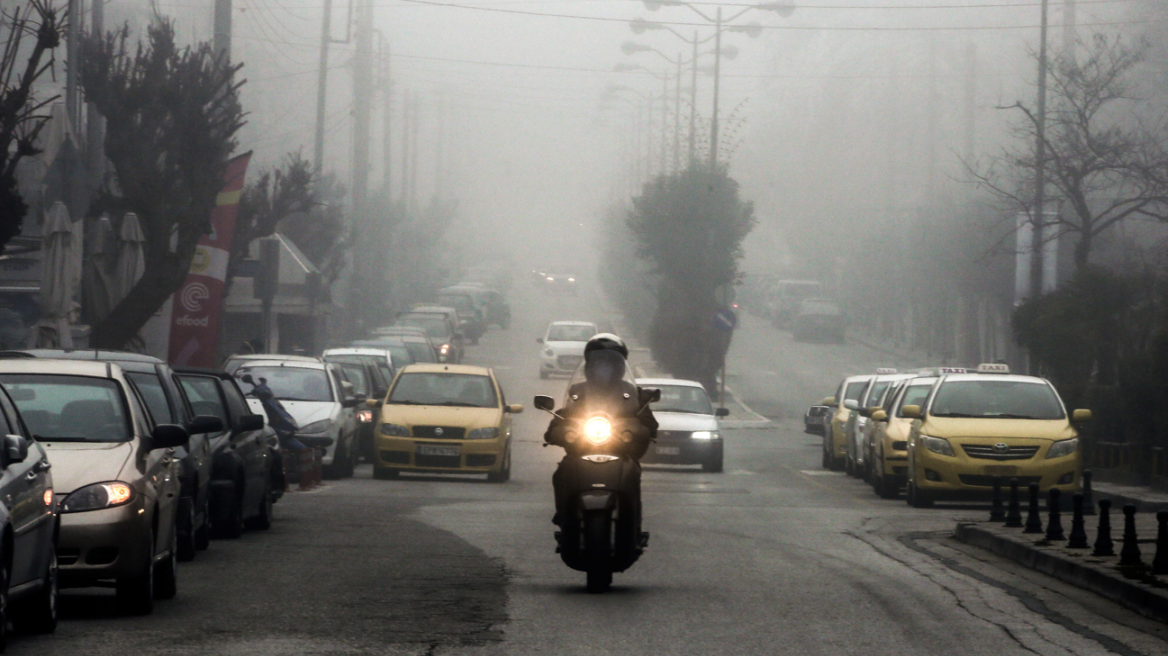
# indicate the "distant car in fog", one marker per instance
pixel 563 347
pixel 786 296
pixel 688 432
pixel 560 283
pixel 819 319
pixel 816 419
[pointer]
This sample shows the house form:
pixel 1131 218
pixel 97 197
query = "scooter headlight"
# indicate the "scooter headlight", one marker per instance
pixel 597 430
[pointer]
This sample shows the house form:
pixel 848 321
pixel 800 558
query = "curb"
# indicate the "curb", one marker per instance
pixel 759 422
pixel 1099 577
pixel 1119 499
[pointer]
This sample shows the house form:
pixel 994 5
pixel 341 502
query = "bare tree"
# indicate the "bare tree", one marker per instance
pixel 278 194
pixel 172 115
pixel 1105 158
pixel 22 115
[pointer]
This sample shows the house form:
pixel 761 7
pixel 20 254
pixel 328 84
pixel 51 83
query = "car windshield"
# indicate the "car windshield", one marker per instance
pixel 819 307
pixel 70 408
pixel 570 333
pixel 914 395
pixel 434 326
pixel 463 304
pixel 426 388
pixel 1003 399
pixel 291 383
pixel 150 387
pixel 683 398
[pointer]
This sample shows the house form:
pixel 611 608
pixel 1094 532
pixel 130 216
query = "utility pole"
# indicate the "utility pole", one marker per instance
pixel 717 81
pixel 1070 32
pixel 222 37
pixel 1037 216
pixel 366 242
pixel 440 147
pixel 405 150
pixel 970 101
pixel 664 123
pixel 95 122
pixel 321 87
pixel 693 103
pixel 72 86
pixel 677 117
pixel 387 118
pixel 414 130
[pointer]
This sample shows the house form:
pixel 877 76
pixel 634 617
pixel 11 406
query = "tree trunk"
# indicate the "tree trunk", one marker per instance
pixel 1083 250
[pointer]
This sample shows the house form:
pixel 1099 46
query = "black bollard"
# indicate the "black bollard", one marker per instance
pixel 996 512
pixel 1054 526
pixel 1103 544
pixel 1130 553
pixel 1033 519
pixel 1160 562
pixel 1088 495
pixel 1014 514
pixel 1078 539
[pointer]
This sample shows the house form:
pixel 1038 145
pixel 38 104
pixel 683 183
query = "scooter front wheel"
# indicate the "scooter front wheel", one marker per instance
pixel 599 580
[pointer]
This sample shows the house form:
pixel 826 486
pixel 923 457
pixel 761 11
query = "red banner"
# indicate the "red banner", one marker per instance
pixel 195 310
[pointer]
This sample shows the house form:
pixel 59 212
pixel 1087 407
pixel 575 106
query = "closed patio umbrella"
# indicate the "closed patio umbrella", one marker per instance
pixel 130 263
pixel 58 271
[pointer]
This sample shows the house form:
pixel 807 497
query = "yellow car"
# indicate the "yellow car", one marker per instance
pixel 843 404
pixel 446 419
pixel 976 427
pixel 888 441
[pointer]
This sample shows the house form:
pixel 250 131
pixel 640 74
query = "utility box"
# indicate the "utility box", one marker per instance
pixel 267 279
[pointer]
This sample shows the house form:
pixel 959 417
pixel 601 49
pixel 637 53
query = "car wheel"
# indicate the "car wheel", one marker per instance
pixel 886 488
pixel 263 521
pixel 713 465
pixel 232 524
pixel 136 593
pixel 918 498
pixel 849 467
pixel 543 375
pixel 166 572
pixel 504 473
pixel 3 604
pixel 203 533
pixel 38 614
pixel 826 457
pixel 185 529
pixel 384 473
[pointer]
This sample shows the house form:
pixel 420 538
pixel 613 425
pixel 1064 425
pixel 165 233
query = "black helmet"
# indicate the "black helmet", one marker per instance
pixel 607 342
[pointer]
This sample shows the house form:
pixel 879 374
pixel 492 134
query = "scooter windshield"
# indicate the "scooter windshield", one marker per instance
pixel 602 370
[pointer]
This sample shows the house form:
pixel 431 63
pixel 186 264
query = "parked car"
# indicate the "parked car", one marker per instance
pixel 404 349
pixel 563 346
pixel 247 475
pixel 816 418
pixel 115 473
pixel 237 360
pixel 688 431
pixel 316 396
pixel 166 403
pixel 445 419
pixel 442 329
pixel 28 513
pixel 471 310
pixel 362 368
pixel 819 320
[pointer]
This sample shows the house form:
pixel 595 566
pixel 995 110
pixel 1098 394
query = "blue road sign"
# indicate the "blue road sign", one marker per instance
pixel 725 320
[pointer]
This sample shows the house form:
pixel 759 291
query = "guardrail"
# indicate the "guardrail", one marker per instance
pixel 1148 464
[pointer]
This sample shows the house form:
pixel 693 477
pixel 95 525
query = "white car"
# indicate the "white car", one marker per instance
pixel 563 347
pixel 318 397
pixel 688 432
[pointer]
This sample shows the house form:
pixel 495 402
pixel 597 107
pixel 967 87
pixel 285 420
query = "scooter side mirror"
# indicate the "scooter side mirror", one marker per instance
pixel 649 395
pixel 545 403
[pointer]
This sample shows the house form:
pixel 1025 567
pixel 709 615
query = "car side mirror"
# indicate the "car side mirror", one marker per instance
pixel 515 408
pixel 539 340
pixel 828 400
pixel 649 395
pixel 169 436
pixel 864 412
pixel 205 424
pixel 722 412
pixel 852 405
pixel 545 403
pixel 879 415
pixel 372 403
pixel 1081 416
pixel 251 422
pixel 247 379
pixel 15 448
pixel 352 402
pixel 911 411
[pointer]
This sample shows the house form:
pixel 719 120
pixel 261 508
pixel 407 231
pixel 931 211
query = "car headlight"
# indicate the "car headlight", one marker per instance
pixel 488 433
pixel 394 430
pixel 315 427
pixel 1063 448
pixel 597 430
pixel 98 497
pixel 937 445
pixel 705 435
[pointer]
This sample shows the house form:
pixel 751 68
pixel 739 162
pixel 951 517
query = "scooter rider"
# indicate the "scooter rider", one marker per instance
pixel 606 389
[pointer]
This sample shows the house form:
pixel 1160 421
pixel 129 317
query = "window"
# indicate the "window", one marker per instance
pixel 292 383
pixel 150 387
pixel 684 398
pixel 570 333
pixel 466 390
pixel 854 391
pixel 235 401
pixel 355 374
pixel 70 408
pixel 1006 399
pixel 874 393
pixel 203 393
pixel 914 395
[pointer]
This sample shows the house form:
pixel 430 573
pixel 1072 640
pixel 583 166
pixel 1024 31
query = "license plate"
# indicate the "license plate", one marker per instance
pixel 668 450
pixel 1000 470
pixel 437 450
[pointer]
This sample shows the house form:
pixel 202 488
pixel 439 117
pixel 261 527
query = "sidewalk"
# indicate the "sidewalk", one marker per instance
pixel 1135 588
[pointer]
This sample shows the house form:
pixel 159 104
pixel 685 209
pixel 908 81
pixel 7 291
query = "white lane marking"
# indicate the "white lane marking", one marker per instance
pixel 821 472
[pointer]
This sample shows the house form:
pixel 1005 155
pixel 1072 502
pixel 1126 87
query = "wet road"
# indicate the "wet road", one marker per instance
pixel 774 556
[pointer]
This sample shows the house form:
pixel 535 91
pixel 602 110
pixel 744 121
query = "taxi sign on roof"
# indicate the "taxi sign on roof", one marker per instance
pixel 954 370
pixel 993 368
pixel 882 371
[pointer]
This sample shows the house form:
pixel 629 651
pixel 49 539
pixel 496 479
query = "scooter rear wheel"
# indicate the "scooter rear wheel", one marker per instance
pixel 599 580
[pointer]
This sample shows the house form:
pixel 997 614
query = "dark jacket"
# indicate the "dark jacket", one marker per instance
pixel 623 402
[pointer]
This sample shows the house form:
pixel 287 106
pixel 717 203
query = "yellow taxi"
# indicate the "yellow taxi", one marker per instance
pixel 444 418
pixel 843 404
pixel 888 447
pixel 976 427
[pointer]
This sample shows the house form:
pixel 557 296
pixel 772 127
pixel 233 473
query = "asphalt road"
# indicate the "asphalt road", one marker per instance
pixel 774 556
